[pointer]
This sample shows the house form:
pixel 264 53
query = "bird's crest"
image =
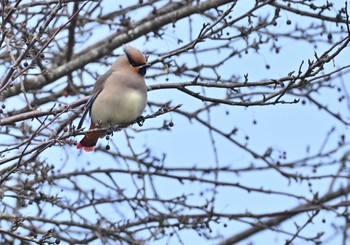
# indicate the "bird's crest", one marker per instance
pixel 135 57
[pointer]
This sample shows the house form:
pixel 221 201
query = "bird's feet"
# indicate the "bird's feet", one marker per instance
pixel 110 130
pixel 140 121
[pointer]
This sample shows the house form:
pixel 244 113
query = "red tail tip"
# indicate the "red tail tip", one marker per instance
pixel 86 148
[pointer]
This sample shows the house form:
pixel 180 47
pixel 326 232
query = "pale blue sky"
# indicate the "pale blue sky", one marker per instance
pixel 289 128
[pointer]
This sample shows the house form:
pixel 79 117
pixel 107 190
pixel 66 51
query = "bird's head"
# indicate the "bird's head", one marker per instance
pixel 135 60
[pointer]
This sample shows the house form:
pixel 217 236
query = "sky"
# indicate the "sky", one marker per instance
pixel 286 128
pixel 290 128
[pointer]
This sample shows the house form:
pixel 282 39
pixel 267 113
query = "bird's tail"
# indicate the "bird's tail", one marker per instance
pixel 89 141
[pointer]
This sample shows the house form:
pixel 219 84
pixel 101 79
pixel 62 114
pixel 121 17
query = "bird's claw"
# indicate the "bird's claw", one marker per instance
pixel 140 121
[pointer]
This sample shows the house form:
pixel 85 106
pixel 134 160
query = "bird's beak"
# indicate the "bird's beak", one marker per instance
pixel 146 65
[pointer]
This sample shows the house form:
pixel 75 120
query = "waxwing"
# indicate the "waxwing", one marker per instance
pixel 119 96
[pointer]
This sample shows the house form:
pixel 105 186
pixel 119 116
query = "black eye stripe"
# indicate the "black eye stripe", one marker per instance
pixel 133 63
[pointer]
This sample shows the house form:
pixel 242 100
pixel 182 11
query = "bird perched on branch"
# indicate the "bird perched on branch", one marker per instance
pixel 119 96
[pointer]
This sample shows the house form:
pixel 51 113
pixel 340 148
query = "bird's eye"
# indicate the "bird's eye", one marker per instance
pixel 143 70
pixel 132 63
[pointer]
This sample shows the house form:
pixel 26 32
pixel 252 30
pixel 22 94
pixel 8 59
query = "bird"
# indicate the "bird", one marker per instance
pixel 119 96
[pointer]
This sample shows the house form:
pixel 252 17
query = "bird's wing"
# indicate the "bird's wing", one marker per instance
pixel 96 91
pixel 101 81
pixel 87 108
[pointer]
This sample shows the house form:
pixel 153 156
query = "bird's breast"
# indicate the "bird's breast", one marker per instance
pixel 118 108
